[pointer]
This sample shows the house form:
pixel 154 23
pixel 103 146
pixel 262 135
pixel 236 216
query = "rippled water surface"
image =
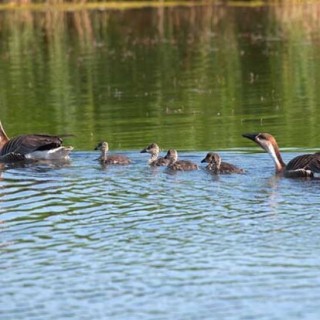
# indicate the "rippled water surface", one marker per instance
pixel 82 241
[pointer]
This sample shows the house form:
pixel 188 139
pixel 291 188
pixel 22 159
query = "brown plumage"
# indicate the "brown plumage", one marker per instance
pixel 110 159
pixel 299 167
pixel 216 166
pixel 31 146
pixel 154 150
pixel 181 165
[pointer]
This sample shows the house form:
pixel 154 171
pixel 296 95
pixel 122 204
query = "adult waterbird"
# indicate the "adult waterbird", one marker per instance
pixel 31 147
pixel 306 165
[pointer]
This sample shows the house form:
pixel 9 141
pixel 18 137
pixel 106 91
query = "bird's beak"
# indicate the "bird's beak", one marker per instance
pixel 251 136
pixel 203 160
pixel 143 151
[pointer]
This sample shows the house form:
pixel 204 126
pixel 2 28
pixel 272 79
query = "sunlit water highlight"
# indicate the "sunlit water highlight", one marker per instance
pixel 123 242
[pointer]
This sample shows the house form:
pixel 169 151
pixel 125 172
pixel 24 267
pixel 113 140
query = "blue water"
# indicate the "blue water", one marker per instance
pixel 79 241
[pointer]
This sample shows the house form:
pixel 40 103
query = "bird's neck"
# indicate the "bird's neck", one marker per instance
pixel 218 165
pixel 3 136
pixel 277 159
pixel 104 155
pixel 213 167
pixel 154 157
pixel 172 160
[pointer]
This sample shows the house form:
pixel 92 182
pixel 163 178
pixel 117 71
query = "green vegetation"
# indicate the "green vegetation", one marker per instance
pixel 195 76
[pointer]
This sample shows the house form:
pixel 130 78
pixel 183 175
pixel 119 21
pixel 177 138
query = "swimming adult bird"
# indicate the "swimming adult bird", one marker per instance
pixel 31 147
pixel 217 166
pixel 175 164
pixel 154 151
pixel 110 159
pixel 306 165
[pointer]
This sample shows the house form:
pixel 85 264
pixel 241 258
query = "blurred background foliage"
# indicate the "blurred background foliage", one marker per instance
pixel 193 77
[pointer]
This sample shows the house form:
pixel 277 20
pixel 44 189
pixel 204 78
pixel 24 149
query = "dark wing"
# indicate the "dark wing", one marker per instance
pixel 25 144
pixel 307 162
pixel 314 164
pixel 298 173
pixel 12 157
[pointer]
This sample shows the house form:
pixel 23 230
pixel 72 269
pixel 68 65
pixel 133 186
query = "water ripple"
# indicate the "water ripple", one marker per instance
pixel 141 236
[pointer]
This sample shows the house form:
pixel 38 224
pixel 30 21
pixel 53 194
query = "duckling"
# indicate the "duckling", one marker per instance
pixel 154 151
pixel 216 165
pixel 175 164
pixel 112 159
pixel 32 147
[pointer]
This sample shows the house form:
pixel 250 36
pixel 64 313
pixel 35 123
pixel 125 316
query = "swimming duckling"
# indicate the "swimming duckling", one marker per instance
pixel 32 147
pixel 217 166
pixel 175 164
pixel 154 151
pixel 110 159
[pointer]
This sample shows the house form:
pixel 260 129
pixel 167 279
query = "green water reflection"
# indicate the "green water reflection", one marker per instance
pixel 193 78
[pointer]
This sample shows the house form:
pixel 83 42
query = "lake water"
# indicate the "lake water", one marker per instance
pixel 81 241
